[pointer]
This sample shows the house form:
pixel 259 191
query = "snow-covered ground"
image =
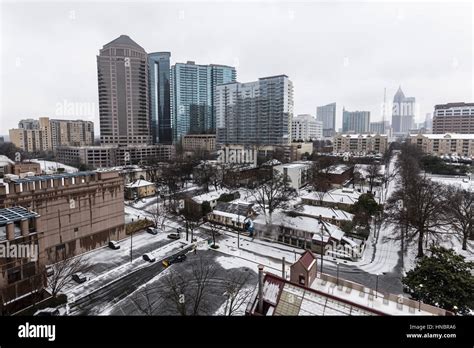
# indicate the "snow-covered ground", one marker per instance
pixel 52 167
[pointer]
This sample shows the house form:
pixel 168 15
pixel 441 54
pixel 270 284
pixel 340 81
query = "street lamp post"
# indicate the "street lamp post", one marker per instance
pixel 322 242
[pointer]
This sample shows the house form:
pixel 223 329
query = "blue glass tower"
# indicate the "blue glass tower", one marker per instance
pixel 159 90
pixel 192 95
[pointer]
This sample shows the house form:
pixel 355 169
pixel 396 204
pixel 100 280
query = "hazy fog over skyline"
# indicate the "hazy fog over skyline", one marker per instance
pixel 343 52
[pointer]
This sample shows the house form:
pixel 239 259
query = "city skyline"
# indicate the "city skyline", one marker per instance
pixel 352 74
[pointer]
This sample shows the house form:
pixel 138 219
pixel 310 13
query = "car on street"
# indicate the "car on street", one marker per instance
pixel 173 236
pixel 149 257
pixel 79 278
pixel 48 312
pixel 114 245
pixel 49 271
pixel 152 230
pixel 174 259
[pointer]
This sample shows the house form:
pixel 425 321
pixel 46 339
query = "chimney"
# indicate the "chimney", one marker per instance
pixel 260 289
pixel 25 227
pixel 10 231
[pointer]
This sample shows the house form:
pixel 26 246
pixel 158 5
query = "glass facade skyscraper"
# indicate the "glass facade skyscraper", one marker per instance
pixel 159 87
pixel 192 96
pixel 327 115
pixel 355 121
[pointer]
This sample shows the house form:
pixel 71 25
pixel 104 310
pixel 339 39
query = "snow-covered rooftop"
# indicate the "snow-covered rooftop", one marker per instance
pixel 139 183
pixel 445 136
pixel 4 161
pixel 51 166
pixel 338 169
pixel 341 195
pixel 210 196
pixel 324 212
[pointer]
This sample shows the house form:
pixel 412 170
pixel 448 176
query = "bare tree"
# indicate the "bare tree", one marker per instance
pixel 215 229
pixel 271 194
pixel 373 174
pixel 418 206
pixel 62 272
pixel 146 300
pixel 237 292
pixel 320 176
pixel 460 213
pixel 189 295
pixel 158 214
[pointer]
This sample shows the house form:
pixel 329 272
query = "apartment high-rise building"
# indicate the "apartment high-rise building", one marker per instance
pixel 444 144
pixel 355 121
pixel 192 96
pixel 122 67
pixel 453 118
pixel 35 137
pixel 403 113
pixel 360 144
pixel 46 135
pixel 71 133
pixel 327 115
pixel 159 85
pixel 306 128
pixel 255 113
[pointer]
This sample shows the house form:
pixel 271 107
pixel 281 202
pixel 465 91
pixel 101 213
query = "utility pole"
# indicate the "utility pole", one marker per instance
pixel 321 222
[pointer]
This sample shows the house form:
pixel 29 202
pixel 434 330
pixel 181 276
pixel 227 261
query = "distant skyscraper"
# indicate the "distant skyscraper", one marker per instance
pixel 355 121
pixel 192 95
pixel 428 121
pixel 327 115
pixel 306 128
pixel 159 84
pixel 255 113
pixel 403 113
pixel 123 93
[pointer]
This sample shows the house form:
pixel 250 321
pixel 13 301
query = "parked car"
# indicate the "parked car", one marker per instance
pixel 48 312
pixel 49 271
pixel 114 245
pixel 173 236
pixel 149 257
pixel 153 230
pixel 174 259
pixel 79 278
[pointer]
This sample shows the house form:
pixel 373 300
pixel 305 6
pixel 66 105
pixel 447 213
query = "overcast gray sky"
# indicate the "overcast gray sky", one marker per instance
pixel 344 52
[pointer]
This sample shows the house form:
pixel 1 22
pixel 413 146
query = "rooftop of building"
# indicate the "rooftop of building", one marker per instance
pixel 324 212
pixel 342 195
pixel 453 105
pixel 361 135
pixel 445 136
pixel 139 183
pixel 14 214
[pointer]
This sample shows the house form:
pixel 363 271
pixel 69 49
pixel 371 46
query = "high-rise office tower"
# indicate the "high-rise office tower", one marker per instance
pixel 355 121
pixel 159 86
pixel 192 96
pixel 327 115
pixel 255 113
pixel 403 113
pixel 122 67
